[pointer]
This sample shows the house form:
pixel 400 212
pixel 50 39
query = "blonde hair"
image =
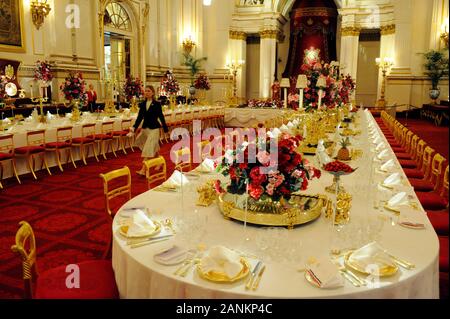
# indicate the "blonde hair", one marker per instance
pixel 152 88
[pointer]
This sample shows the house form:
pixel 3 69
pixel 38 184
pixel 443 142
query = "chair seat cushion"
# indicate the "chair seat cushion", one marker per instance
pixel 413 173
pixel 432 201
pixel 403 156
pixel 58 145
pixel 120 133
pixel 443 254
pixel 96 282
pixel 398 149
pixel 439 220
pixel 5 156
pixel 407 163
pixel 30 149
pixel 421 185
pixel 103 137
pixel 82 140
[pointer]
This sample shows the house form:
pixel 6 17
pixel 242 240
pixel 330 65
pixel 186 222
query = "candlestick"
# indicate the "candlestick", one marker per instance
pixel 300 105
pixel 320 99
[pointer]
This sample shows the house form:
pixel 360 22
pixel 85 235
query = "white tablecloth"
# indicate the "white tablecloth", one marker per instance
pixel 249 117
pixel 138 276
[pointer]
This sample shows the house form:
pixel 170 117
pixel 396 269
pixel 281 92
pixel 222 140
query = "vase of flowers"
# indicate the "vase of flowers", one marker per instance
pixel 133 88
pixel 43 71
pixel 73 87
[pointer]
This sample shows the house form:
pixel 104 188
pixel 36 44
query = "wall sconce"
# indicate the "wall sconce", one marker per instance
pixel 188 45
pixel 39 11
pixel 444 33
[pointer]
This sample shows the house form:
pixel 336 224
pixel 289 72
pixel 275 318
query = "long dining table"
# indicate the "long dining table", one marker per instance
pixel 283 251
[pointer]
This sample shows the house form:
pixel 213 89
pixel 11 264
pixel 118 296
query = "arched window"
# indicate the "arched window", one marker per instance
pixel 117 17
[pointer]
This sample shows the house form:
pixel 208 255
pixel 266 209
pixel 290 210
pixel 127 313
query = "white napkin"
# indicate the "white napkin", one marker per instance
pixel 50 115
pixel 69 115
pixel 383 154
pixel 392 180
pixel 325 273
pixel 295 122
pixel 380 146
pixel 7 121
pixel 223 260
pixel 40 126
pixel 141 226
pixel 386 166
pixel 13 129
pixel 284 128
pixel 176 180
pixel 377 140
pixel 276 132
pixel 411 218
pixel 29 119
pixel 290 125
pixel 371 254
pixel 398 200
pixel 207 166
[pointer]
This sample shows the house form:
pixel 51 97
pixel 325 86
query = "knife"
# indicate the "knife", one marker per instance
pixel 253 275
pixel 135 242
pixel 258 280
pixel 157 240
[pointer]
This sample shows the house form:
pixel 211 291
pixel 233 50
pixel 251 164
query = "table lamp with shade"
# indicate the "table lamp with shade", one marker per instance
pixel 285 83
pixel 321 84
pixel 302 83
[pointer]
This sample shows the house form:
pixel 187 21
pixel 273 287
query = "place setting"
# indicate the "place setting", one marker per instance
pixel 174 183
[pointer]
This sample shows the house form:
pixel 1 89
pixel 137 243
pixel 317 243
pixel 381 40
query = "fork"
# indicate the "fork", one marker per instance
pixel 186 263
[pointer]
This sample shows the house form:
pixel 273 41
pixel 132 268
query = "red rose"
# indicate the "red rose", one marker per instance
pixel 255 191
pixel 256 176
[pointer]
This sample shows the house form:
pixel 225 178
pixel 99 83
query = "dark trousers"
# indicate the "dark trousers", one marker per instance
pixel 92 107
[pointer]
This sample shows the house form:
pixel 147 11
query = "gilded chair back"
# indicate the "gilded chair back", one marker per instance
pixel 7 144
pixel 427 159
pixel 118 190
pixel 126 124
pixel 183 160
pixel 108 128
pixel 437 168
pixel 36 138
pixel 413 146
pixel 155 171
pixel 419 153
pixel 88 130
pixel 64 134
pixel 408 138
pixel 25 246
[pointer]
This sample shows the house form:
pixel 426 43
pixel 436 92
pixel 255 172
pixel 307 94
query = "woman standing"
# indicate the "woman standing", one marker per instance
pixel 150 111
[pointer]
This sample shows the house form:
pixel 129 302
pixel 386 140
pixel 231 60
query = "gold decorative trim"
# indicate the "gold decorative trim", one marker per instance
pixel 350 31
pixel 387 29
pixel 269 34
pixel 238 35
pixel 22 48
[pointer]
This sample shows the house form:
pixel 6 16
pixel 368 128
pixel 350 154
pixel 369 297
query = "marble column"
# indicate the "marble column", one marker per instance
pixel 238 52
pixel 268 56
pixel 387 49
pixel 349 50
pixel 403 38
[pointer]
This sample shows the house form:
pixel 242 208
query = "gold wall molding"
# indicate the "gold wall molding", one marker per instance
pixel 350 31
pixel 238 35
pixel 387 29
pixel 269 34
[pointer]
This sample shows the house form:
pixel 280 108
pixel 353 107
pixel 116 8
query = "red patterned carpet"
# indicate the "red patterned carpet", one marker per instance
pixel 67 213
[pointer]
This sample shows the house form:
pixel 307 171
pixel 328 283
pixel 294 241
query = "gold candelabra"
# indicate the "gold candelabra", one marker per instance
pixel 39 10
pixel 41 101
pixel 385 66
pixel 234 67
pixel 188 45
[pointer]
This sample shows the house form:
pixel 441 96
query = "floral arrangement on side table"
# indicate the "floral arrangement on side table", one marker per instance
pixel 133 87
pixel 3 82
pixel 270 103
pixel 169 85
pixel 202 82
pixel 43 71
pixel 292 173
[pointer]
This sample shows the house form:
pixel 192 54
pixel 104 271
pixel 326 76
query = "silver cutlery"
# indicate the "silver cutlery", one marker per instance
pixel 402 263
pixel 253 275
pixel 258 279
pixel 149 240
pixel 158 240
pixel 349 278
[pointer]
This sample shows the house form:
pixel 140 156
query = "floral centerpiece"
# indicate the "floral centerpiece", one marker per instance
pixel 345 88
pixel 73 87
pixel 133 88
pixel 169 85
pixel 269 103
pixel 291 174
pixel 42 71
pixel 314 69
pixel 202 82
pixel 3 82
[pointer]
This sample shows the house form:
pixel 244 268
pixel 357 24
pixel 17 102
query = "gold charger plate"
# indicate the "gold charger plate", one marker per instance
pixel 384 270
pixel 123 230
pixel 220 277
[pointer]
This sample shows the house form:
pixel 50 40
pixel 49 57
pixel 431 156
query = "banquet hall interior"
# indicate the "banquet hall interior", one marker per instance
pixel 223 149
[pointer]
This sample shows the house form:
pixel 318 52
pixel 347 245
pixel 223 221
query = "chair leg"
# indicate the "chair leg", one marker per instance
pixel 103 149
pixel 71 157
pixel 13 162
pixel 44 160
pixel 1 175
pixel 110 144
pixel 30 161
pixel 122 144
pixel 83 154
pixel 58 160
pixel 95 152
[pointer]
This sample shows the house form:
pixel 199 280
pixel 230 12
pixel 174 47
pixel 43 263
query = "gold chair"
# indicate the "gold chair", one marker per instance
pixel 122 136
pixel 52 283
pixel 87 139
pixel 105 139
pixel 183 160
pixel 7 154
pixel 63 142
pixel 204 149
pixel 436 170
pixel 426 162
pixel 117 190
pixel 35 146
pixel 445 188
pixel 155 170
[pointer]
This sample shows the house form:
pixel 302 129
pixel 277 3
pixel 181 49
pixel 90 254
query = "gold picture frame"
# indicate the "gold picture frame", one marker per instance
pixel 8 37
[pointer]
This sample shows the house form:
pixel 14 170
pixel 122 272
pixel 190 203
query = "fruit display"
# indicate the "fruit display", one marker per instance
pixel 338 166
pixel 344 152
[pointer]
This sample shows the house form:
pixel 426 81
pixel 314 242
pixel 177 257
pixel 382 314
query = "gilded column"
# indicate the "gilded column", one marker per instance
pixel 349 50
pixel 238 51
pixel 387 45
pixel 267 61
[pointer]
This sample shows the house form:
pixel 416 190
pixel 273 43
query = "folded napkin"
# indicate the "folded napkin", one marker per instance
pixel 141 226
pixel 40 126
pixel 284 128
pixel 377 140
pixel 274 133
pixel 290 125
pixel 380 146
pixel 371 254
pixel 207 166
pixel 388 165
pixel 69 115
pixel 50 115
pixel 392 180
pixel 411 218
pixel 383 154
pixel 13 129
pixel 7 121
pixel 29 119
pixel 295 122
pixel 222 260
pixel 325 274
pixel 176 180
pixel 398 200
